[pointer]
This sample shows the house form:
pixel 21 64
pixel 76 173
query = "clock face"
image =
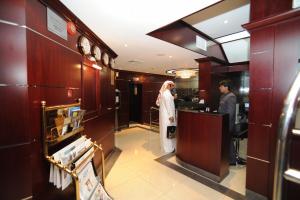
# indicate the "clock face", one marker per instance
pixel 105 59
pixel 112 63
pixel 96 52
pixel 84 45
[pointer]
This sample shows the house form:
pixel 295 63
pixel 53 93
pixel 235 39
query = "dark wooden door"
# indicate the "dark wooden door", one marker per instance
pixel 135 102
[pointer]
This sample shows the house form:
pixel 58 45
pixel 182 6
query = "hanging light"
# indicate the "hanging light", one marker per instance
pixel 183 72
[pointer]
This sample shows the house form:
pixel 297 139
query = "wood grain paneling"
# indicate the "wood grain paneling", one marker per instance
pixel 260 136
pixel 286 67
pixel 257 176
pixel 89 87
pixel 278 34
pixel 195 139
pixel 13 64
pixel 38 65
pixel 262 63
pixel 260 9
pixel 13 11
pixel 16 180
pixel 14 115
pixel 50 64
pixel 107 91
pixel 260 107
pixel 205 81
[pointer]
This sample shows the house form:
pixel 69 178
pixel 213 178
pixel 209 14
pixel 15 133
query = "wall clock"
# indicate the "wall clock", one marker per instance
pixel 112 63
pixel 84 45
pixel 96 52
pixel 105 59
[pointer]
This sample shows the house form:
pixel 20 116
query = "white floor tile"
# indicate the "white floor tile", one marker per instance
pixel 136 175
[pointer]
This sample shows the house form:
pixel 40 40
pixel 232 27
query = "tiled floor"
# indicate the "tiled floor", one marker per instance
pixel 137 176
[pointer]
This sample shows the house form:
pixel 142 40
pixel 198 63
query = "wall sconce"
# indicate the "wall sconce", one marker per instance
pixel 135 78
pixel 96 66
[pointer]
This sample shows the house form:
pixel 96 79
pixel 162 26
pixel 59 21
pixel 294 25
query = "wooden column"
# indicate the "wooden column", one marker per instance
pixel 205 69
pixel 274 63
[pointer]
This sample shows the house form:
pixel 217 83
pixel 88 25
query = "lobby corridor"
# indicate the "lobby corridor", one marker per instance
pixel 138 173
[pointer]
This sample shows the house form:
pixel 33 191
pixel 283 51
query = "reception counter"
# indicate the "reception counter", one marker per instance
pixel 203 143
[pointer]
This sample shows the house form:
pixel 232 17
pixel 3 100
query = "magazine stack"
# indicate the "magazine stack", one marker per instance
pixel 71 153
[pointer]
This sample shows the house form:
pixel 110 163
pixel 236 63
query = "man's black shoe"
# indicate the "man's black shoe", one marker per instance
pixel 241 161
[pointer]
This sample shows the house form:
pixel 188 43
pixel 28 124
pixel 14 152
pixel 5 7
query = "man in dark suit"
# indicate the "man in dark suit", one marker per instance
pixel 227 105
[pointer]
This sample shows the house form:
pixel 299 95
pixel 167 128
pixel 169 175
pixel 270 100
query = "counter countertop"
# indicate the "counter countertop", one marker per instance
pixel 200 112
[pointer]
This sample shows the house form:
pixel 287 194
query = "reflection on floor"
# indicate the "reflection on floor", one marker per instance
pixel 137 175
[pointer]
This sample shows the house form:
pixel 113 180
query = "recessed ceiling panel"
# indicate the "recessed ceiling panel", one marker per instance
pixel 237 51
pixel 222 19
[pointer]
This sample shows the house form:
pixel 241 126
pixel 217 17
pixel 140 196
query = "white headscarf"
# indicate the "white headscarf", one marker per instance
pixel 162 89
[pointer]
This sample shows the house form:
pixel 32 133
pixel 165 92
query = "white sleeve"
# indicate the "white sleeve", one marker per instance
pixel 167 102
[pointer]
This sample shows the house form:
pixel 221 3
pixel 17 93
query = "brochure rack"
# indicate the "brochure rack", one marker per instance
pixel 52 137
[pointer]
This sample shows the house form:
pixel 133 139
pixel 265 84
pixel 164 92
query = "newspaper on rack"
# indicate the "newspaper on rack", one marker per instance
pixel 66 155
pixel 87 181
pixel 100 193
pixel 67 158
pixel 88 156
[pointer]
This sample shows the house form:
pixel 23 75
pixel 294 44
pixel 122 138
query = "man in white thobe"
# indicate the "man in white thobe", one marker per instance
pixel 167 116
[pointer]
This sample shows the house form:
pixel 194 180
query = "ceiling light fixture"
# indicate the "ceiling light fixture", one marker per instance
pixel 234 36
pixel 183 72
pixel 226 21
pixel 125 45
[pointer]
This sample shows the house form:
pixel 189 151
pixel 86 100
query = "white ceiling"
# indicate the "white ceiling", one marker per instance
pixel 123 26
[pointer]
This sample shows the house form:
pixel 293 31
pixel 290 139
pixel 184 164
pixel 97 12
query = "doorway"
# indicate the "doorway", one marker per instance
pixel 135 102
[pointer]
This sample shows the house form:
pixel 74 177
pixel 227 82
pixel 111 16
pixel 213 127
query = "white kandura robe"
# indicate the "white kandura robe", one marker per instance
pixel 166 110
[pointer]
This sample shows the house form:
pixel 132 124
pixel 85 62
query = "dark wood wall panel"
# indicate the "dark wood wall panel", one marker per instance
pixel 14 115
pixel 36 19
pixel 260 113
pixel 276 39
pixel 38 65
pixel 13 68
pixel 286 67
pixel 52 65
pixel 260 9
pixel 260 108
pixel 263 62
pixel 257 176
pixel 15 141
pixel 13 11
pixel 89 87
pixel 260 136
pixel 107 91
pixel 16 172
pixel 205 81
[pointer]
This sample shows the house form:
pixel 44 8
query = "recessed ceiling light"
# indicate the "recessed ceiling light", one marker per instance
pixel 226 21
pixel 125 45
pixel 170 56
pixel 234 36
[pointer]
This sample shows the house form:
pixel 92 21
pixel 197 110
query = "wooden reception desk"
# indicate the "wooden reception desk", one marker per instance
pixel 203 143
